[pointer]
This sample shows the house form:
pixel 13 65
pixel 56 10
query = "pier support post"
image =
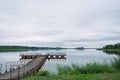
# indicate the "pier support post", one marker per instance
pixel 18 71
pixel 11 71
pixel 6 68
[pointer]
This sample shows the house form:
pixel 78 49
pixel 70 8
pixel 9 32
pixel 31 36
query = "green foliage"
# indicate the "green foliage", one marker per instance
pixel 90 71
pixel 96 68
pixel 115 46
pixel 86 69
pixel 64 70
pixel 111 49
pixel 42 73
pixel 91 68
pixel 110 76
pixel 116 63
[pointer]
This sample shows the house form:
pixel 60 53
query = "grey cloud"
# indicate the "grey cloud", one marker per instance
pixel 59 22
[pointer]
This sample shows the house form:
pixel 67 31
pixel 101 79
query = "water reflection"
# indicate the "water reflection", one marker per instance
pixel 80 57
pixel 112 52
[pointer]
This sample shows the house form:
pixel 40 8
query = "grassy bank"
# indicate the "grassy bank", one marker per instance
pixel 115 76
pixel 90 71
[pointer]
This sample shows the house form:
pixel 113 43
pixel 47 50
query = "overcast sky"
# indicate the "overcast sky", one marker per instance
pixel 66 23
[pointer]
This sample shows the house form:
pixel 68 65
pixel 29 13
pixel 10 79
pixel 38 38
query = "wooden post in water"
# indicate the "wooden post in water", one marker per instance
pixel 18 71
pixel 6 67
pixel 23 67
pixel 27 68
pixel 0 68
pixel 14 65
pixel 30 69
pixel 11 71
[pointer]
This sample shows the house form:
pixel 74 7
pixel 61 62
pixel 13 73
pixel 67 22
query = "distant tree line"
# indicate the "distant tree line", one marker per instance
pixel 115 46
pixel 17 47
pixel 24 48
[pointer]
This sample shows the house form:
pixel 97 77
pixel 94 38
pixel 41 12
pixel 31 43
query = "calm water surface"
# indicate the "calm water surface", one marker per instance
pixel 80 57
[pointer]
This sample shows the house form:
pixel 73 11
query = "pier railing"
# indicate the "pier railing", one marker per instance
pixel 29 64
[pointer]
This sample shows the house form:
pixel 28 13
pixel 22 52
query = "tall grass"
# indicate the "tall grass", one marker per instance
pixel 96 68
pixel 64 70
pixel 90 71
pixel 42 73
pixel 91 68
pixel 116 63
pixel 88 68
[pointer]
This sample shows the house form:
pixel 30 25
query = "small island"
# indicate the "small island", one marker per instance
pixel 79 48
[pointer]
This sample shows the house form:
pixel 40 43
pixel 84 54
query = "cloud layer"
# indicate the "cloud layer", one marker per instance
pixel 69 23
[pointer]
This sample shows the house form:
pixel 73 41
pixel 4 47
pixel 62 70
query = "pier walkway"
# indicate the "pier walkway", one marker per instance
pixel 29 68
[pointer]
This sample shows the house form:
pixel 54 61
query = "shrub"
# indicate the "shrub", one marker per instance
pixel 116 63
pixel 42 73
pixel 96 68
pixel 88 68
pixel 64 70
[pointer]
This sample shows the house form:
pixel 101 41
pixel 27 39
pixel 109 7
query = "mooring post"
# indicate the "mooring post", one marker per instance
pixel 13 65
pixel 6 67
pixel 0 68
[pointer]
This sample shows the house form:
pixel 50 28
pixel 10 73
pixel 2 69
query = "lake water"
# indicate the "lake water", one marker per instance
pixel 80 57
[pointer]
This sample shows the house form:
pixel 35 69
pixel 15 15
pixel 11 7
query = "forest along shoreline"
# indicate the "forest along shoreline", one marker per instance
pixel 32 48
pixel 111 49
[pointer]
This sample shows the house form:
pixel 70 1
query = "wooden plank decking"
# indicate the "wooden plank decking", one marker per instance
pixel 28 69
pixel 31 67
